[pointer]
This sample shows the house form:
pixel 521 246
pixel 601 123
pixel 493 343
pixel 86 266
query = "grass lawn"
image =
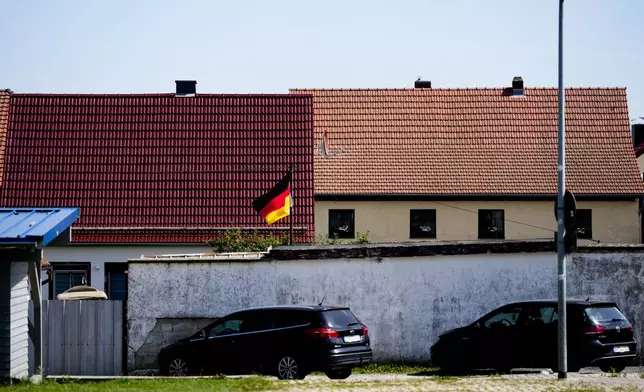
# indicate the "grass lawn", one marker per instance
pixel 392 368
pixel 163 385
pixel 435 383
pixel 189 385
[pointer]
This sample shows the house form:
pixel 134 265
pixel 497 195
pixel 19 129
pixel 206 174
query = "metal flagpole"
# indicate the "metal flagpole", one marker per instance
pixel 290 217
pixel 561 228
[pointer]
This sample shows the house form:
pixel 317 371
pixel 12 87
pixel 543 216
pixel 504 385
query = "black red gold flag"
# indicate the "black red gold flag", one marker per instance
pixel 276 203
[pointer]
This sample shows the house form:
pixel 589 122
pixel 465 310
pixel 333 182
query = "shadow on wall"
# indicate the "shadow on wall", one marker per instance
pixel 166 331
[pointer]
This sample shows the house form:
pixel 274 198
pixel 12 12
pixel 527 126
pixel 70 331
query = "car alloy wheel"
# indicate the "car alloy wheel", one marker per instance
pixel 178 368
pixel 287 369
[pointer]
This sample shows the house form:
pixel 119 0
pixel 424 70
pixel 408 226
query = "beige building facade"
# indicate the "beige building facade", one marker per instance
pixel 424 163
pixel 391 221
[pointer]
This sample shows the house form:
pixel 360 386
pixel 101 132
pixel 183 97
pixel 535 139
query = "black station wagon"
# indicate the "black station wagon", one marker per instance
pixel 286 341
pixel 524 335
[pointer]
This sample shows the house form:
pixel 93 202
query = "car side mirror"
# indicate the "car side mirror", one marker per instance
pixel 203 333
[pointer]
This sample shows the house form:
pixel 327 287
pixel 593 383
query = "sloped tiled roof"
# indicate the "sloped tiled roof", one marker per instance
pixel 5 96
pixel 471 142
pixel 639 150
pixel 159 168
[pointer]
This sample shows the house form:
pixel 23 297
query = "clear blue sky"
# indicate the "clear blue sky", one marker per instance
pixel 123 46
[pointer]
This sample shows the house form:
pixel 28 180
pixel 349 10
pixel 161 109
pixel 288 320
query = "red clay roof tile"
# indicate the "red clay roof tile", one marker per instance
pixel 471 141
pixel 154 164
pixel 5 97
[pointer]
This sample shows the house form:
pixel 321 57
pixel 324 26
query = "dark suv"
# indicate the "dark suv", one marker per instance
pixel 286 341
pixel 524 334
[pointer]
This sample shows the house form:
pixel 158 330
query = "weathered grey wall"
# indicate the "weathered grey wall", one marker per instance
pixel 406 302
pixel 166 330
pixel 615 276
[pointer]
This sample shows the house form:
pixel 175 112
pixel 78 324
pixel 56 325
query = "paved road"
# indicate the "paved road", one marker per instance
pixel 533 380
pixel 630 369
pixel 590 380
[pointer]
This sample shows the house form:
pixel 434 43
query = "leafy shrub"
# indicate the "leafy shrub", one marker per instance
pixel 362 238
pixel 237 240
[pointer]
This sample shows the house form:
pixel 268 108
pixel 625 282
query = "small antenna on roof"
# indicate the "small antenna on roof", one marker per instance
pixel 323 298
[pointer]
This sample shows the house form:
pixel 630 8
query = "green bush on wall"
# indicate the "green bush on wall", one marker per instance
pixel 237 240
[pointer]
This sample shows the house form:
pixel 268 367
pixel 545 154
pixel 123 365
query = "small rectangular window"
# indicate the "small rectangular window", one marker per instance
pixel 116 281
pixel 491 224
pixel 341 223
pixel 584 224
pixel 68 275
pixel 422 224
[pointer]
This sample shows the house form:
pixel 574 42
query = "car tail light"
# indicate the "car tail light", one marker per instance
pixel 629 326
pixel 365 331
pixel 323 333
pixel 594 330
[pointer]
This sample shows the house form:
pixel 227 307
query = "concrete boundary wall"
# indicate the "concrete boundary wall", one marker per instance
pixel 406 301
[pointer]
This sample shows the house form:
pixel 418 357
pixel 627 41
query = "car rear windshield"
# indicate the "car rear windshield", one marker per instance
pixel 339 318
pixel 604 314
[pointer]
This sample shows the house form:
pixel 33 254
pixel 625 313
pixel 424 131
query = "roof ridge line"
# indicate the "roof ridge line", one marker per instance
pixel 150 95
pixel 455 88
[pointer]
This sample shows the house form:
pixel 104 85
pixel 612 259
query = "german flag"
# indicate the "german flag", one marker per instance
pixel 276 203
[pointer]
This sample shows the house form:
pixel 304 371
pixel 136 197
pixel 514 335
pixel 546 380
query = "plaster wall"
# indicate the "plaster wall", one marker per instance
pixel 406 302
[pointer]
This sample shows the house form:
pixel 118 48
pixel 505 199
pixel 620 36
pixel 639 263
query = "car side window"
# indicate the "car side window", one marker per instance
pixel 548 314
pixel 555 316
pixel 226 327
pixel 257 321
pixel 285 319
pixel 506 317
pixel 541 315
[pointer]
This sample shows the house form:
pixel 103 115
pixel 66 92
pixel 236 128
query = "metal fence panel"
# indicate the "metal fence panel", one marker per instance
pixel 82 338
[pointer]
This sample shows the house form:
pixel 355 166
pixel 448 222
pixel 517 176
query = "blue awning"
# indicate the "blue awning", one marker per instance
pixel 34 225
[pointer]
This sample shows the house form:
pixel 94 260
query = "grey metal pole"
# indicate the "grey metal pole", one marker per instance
pixel 561 251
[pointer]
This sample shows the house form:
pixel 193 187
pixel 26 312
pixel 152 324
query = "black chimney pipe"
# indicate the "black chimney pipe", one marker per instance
pixel 186 87
pixel 423 84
